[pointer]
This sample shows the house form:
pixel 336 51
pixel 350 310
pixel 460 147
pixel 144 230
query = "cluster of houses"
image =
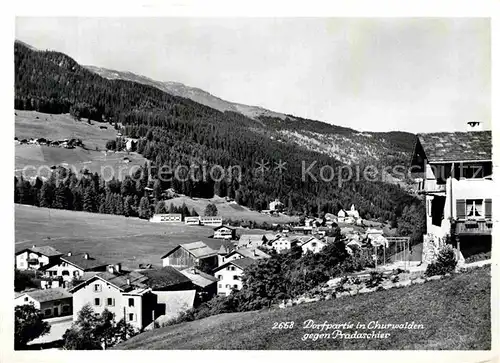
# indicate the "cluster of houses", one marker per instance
pixel 65 143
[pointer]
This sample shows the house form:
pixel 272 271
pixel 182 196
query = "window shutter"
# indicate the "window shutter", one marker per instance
pixel 487 208
pixel 461 208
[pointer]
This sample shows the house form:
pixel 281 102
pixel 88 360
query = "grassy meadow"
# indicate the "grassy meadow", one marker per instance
pixel 454 312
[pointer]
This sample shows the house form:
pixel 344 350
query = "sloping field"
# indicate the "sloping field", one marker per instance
pixel 229 210
pixel 111 238
pixel 33 160
pixel 454 314
pixel 56 127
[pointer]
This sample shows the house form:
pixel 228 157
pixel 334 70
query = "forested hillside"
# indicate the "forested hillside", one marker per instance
pixel 176 131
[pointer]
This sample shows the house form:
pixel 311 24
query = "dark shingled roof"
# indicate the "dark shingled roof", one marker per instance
pixel 240 262
pixel 120 280
pixel 82 262
pixel 164 277
pixel 49 294
pixel 456 146
pixel 43 250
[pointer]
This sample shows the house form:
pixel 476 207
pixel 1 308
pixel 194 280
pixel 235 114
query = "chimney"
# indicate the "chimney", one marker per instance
pixel 474 126
pixel 255 253
pixel 70 254
pixel 86 256
pixel 128 282
pixel 193 271
pixel 111 269
pixel 118 267
pixel 34 246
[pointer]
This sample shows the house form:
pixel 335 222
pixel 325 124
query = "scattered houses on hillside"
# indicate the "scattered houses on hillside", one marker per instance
pixel 51 302
pixel 350 216
pixel 251 240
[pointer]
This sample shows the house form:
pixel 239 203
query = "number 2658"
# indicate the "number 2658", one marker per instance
pixel 283 325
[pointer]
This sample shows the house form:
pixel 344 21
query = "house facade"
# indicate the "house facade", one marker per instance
pixel 312 244
pixel 126 296
pixel 224 232
pixel 192 221
pixel 454 171
pixel 72 266
pixel 36 257
pixel 281 244
pixel 52 302
pixel 211 221
pixel 229 276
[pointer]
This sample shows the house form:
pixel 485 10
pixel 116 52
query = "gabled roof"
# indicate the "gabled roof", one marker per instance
pixel 118 280
pixel 48 294
pixel 241 263
pixel 198 278
pixel 455 146
pixel 85 264
pixel 253 253
pixel 202 249
pixel 43 250
pixel 224 226
pixel 164 277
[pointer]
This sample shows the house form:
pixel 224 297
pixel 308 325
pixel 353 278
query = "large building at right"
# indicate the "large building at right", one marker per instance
pixel 455 175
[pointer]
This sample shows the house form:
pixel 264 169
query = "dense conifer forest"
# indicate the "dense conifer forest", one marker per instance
pixel 177 132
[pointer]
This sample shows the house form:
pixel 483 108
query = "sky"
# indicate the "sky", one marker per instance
pixel 371 74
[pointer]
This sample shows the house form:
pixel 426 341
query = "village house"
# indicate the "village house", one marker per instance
pixel 230 274
pixel 71 266
pixel 51 302
pixel 131 144
pixel 193 253
pixel 309 243
pixel 454 171
pixel 280 244
pixel 166 218
pixel 224 232
pixel 253 253
pixel 138 297
pixel 211 221
pixel 34 257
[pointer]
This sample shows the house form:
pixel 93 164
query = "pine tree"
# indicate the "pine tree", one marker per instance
pixel 144 211
pixel 89 199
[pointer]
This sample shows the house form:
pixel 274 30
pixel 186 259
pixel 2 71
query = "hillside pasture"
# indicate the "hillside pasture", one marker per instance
pixel 35 124
pixel 112 238
pixel 230 210
pixel 455 314
pixel 36 160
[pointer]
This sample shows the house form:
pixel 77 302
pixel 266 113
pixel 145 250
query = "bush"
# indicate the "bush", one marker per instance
pixel 376 279
pixel 445 262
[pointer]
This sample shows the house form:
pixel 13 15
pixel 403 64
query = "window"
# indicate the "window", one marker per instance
pixel 313 244
pixel 131 302
pixel 110 301
pixel 65 273
pixel 26 298
pixel 236 277
pixel 76 273
pixel 97 301
pixel 228 286
pixel 65 308
pixel 220 286
pixel 223 259
pixel 219 277
pixel 474 208
pixel 131 317
pixel 97 288
pixel 48 312
pixel 235 286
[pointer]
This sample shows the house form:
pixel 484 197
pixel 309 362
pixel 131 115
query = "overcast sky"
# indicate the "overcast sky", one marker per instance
pixel 417 75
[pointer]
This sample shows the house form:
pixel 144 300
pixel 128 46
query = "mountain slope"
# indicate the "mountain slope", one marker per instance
pixel 346 145
pixel 178 132
pixel 181 90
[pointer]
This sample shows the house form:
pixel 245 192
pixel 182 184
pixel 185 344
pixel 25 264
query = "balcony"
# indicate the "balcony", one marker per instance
pixel 473 227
